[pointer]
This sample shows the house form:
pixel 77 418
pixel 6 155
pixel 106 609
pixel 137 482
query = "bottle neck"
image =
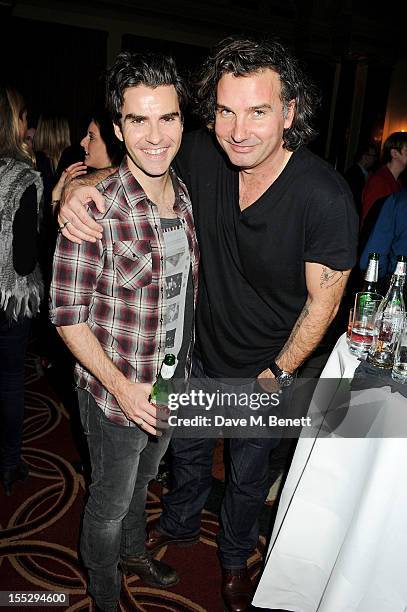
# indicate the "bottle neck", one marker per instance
pixel 394 294
pixel 400 268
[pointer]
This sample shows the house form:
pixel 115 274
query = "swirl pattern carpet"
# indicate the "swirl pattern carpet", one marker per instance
pixel 40 523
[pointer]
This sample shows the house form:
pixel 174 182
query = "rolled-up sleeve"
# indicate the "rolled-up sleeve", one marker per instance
pixel 76 270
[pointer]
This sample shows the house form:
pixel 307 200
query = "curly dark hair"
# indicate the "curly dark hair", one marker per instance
pixel 149 69
pixel 245 56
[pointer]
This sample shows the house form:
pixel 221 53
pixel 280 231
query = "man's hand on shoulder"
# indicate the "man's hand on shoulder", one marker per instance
pixel 74 221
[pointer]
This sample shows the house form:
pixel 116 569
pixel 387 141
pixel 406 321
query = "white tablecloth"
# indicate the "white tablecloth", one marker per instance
pixel 340 538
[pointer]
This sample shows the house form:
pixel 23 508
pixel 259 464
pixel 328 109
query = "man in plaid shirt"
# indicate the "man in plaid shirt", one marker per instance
pixel 109 303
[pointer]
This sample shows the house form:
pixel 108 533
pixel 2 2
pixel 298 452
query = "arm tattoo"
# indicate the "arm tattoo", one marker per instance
pixel 329 277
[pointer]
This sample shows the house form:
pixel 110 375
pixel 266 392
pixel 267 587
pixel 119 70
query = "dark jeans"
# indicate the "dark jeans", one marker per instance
pixel 13 344
pixel 246 488
pixel 123 461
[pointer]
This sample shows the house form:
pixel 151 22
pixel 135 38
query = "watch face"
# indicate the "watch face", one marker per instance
pixel 285 379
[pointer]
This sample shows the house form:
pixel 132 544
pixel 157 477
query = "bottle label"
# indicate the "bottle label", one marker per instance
pixel 400 268
pixel 372 271
pixel 167 371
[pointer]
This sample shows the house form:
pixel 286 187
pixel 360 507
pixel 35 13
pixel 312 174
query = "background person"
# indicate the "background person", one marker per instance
pixel 388 237
pixel 101 149
pixel 385 181
pixel 101 146
pixel 358 174
pixel 51 137
pixel 20 278
pixel 28 139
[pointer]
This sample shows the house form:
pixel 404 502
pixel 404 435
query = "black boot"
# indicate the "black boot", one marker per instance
pixel 10 475
pixel 152 572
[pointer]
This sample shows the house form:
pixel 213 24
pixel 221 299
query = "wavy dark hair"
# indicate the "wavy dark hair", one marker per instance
pixel 245 56
pixel 149 69
pixel 114 146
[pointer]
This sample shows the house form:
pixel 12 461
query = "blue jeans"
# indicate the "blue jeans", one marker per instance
pixel 246 488
pixel 123 461
pixel 13 343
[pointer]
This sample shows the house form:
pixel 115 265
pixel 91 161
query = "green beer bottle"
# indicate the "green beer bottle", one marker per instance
pixel 163 385
pixel 370 282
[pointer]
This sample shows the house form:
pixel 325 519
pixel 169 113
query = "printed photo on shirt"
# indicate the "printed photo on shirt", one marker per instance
pixel 172 313
pixel 170 338
pixel 173 285
pixel 172 260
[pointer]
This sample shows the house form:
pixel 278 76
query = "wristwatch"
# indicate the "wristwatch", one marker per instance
pixel 284 379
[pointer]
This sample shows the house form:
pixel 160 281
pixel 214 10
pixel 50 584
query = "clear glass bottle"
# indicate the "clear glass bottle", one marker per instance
pixel 389 320
pixel 163 385
pixel 399 371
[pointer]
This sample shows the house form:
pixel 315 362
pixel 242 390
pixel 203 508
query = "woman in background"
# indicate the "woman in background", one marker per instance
pixel 21 285
pixel 102 148
pixel 51 137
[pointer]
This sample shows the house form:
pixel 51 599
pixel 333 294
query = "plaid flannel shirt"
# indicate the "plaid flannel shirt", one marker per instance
pixel 117 284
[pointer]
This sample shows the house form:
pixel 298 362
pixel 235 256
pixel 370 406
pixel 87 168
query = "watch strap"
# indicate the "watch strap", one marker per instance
pixel 275 369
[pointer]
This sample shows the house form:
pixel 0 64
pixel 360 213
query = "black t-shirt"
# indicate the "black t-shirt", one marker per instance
pixel 252 275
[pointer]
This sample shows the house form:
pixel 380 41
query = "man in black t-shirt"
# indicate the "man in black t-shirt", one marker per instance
pixel 277 231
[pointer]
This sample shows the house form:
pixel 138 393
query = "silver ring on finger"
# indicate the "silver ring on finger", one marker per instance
pixel 63 226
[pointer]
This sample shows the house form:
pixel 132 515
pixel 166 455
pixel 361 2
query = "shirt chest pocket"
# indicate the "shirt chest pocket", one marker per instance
pixel 133 263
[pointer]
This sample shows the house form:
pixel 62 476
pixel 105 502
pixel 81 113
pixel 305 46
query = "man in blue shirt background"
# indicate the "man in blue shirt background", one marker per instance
pixel 389 235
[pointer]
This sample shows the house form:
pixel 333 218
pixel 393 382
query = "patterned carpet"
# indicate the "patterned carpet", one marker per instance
pixel 40 522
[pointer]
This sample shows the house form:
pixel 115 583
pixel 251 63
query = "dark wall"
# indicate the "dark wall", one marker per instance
pixel 375 103
pixel 56 67
pixel 322 73
pixel 343 110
